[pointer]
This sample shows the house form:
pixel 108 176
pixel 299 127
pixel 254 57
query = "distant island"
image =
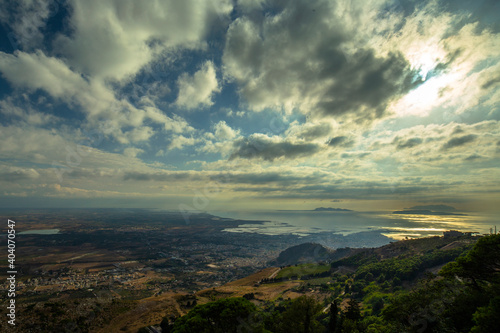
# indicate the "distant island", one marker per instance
pixel 329 209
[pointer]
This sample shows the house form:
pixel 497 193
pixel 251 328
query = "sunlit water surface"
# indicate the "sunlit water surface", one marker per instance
pixel 396 226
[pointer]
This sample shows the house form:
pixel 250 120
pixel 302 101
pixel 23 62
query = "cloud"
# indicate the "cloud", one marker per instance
pixel 340 141
pixel 356 156
pixel 409 143
pixel 220 141
pixel 250 5
pixel 26 18
pixel 224 132
pixel 115 39
pixel 197 90
pixel 30 144
pixel 359 191
pixel 366 86
pixel 459 141
pixel 112 81
pixel 15 174
pixel 180 141
pixel 74 153
pixel 449 49
pixel 278 62
pixel 428 159
pixel 309 130
pixel 26 114
pixel 281 178
pixel 473 157
pixel 36 71
pixel 161 176
pixel 491 83
pixel 59 191
pixel 270 149
pixel 132 152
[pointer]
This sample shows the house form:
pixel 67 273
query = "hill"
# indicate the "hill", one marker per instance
pixel 303 253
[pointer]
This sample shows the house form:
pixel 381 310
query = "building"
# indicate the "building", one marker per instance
pixel 453 233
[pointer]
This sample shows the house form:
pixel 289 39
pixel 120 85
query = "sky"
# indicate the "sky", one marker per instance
pixel 251 104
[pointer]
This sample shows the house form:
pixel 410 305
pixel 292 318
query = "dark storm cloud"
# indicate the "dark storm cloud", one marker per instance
pixel 410 143
pixel 297 57
pixel 366 84
pixel 265 148
pixel 459 141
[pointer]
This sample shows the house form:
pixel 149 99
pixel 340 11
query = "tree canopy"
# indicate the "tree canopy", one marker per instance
pixel 222 316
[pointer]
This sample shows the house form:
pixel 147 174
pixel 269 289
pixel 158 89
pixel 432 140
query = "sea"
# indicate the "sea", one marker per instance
pixel 396 226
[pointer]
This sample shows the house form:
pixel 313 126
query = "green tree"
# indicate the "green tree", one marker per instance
pixel 334 310
pixel 300 316
pixel 350 326
pixel 464 301
pixel 353 312
pixel 486 318
pixel 222 316
pixel 481 265
pixel 166 325
pixel 377 305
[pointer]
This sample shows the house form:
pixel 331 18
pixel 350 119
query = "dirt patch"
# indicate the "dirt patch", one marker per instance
pixel 148 311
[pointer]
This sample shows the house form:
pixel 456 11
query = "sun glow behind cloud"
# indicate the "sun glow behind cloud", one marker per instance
pixel 422 100
pixel 425 56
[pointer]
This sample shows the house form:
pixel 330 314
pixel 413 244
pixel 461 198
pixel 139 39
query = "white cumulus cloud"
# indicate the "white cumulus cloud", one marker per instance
pixel 197 90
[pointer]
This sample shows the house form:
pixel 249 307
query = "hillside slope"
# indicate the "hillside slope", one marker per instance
pixel 371 276
pixel 383 290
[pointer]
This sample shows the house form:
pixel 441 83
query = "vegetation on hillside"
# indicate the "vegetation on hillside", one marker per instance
pixel 395 294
